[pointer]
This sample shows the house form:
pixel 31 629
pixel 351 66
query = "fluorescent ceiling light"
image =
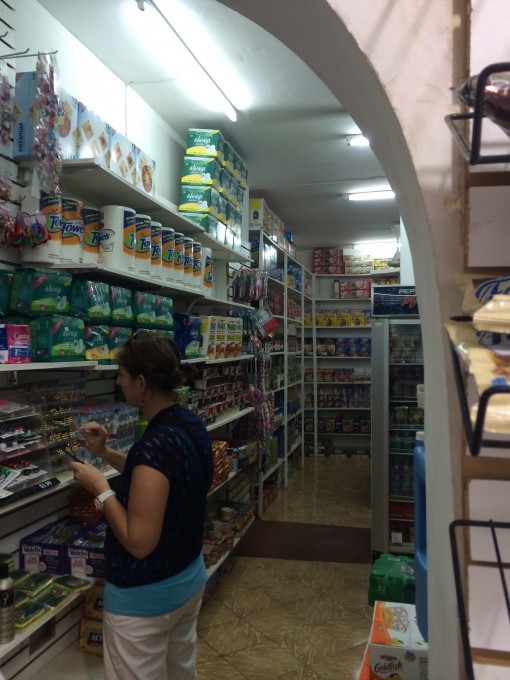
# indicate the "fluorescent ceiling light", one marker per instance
pixel 209 93
pixel 356 140
pixel 369 196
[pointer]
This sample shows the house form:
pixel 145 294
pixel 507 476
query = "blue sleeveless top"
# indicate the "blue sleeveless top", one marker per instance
pixel 177 444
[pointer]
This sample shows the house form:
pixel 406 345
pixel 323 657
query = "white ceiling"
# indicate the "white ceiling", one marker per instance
pixel 290 136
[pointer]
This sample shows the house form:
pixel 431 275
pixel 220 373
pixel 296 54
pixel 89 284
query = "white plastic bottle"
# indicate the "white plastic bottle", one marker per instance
pixel 7 609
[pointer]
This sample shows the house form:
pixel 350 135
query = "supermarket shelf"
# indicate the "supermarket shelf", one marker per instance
pixel 51 365
pixel 343 408
pixel 97 185
pixel 343 328
pixel 272 469
pixel 231 476
pixel 293 415
pixel 23 636
pixel 292 384
pixel 338 358
pixel 214 568
pixel 229 418
pixel 404 549
pixel 331 382
pixel 277 282
pixel 294 446
pixel 219 302
pixel 342 434
pixel 349 300
pixel 401 518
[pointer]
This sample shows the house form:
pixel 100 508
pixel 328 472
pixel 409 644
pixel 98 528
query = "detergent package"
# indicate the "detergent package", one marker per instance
pixel 57 338
pixel 90 300
pixel 36 291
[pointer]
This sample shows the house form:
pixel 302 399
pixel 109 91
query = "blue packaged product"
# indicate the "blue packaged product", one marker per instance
pixel 187 335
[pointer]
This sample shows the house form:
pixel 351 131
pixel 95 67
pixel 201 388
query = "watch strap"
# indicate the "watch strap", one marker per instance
pixel 103 496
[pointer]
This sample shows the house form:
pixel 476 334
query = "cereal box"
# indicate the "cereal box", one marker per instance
pixel 357 317
pixel 397 648
pixel 92 137
pixel 122 157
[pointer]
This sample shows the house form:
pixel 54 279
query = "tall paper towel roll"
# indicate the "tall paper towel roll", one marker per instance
pixel 187 278
pixel 72 231
pixel 167 254
pixel 156 244
pixel 143 245
pixel 91 228
pixel 179 258
pixel 197 265
pixel 117 237
pixel 208 274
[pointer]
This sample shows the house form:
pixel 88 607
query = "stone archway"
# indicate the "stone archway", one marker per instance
pixel 391 65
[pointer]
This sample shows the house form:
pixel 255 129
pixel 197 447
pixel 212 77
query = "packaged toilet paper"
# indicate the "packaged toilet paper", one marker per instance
pixel 57 338
pixel 36 291
pixel 90 300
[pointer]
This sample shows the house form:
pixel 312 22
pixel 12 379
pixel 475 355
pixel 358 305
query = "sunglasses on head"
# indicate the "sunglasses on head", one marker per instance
pixel 132 344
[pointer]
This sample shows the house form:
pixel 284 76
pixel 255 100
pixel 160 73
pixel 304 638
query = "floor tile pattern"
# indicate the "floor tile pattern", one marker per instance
pixel 288 620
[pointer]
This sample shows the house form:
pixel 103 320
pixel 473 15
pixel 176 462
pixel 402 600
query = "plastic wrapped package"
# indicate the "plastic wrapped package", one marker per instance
pixel 496 97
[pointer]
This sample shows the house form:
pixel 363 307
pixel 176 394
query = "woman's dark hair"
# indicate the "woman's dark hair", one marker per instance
pixel 157 358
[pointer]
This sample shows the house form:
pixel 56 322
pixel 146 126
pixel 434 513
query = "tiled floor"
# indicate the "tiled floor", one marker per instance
pixel 282 619
pixel 291 620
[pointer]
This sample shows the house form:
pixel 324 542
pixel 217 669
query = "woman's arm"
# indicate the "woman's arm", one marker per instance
pixel 138 528
pixel 95 437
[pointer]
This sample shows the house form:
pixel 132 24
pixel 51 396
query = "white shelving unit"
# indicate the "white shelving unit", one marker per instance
pixel 97 186
pixel 289 290
pixel 328 319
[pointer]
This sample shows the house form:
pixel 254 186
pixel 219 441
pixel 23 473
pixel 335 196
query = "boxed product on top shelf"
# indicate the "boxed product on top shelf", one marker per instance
pixel 327 261
pixel 352 289
pixel 262 217
pixel 343 317
pixel 358 264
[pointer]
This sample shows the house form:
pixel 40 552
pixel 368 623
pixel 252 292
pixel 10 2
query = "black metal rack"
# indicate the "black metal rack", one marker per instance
pixel 498 658
pixel 472 153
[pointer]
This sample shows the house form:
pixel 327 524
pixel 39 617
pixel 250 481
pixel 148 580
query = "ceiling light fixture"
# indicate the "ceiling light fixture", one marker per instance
pixel 227 107
pixel 369 196
pixel 357 140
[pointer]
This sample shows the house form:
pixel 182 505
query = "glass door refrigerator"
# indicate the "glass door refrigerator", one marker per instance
pixel 397 370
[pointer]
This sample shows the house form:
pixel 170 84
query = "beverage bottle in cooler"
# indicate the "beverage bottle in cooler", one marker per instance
pixel 407 479
pixel 395 479
pixel 7 609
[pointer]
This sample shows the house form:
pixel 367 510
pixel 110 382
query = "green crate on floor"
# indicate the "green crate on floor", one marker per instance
pixel 392 579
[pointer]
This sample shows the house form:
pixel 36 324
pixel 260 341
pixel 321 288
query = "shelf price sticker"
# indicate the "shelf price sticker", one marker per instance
pixel 397 538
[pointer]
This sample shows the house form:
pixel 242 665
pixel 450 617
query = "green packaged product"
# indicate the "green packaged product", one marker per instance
pixel 96 343
pixel 90 300
pixel 164 312
pixel 117 336
pixel 5 291
pixel 144 308
pixel 202 199
pixel 392 579
pixel 57 338
pixel 54 596
pixel 27 613
pixel 205 221
pixel 121 305
pixel 35 291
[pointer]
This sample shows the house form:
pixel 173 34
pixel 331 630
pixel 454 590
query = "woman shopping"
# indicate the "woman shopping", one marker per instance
pixel 155 573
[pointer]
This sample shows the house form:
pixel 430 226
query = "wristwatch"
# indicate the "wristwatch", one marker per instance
pixel 99 500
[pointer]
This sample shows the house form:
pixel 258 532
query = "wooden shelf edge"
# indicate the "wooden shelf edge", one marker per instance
pixel 490 657
pixel 486 467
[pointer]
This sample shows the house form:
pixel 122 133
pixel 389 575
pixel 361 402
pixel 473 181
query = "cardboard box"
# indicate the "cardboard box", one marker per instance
pixel 94 602
pixel 91 636
pixel 122 157
pixel 85 552
pixel 260 215
pixel 66 123
pixel 397 648
pixel 205 142
pixel 45 550
pixel 92 137
pixel 145 177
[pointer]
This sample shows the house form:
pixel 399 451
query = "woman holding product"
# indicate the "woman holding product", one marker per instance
pixel 155 573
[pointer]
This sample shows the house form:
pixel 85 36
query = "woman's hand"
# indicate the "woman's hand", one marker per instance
pixel 95 437
pixel 89 477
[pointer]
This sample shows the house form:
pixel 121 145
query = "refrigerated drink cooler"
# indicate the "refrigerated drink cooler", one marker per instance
pixel 397 370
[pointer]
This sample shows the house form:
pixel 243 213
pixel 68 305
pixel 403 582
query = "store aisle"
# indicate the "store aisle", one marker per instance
pixel 282 619
pixel 295 620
